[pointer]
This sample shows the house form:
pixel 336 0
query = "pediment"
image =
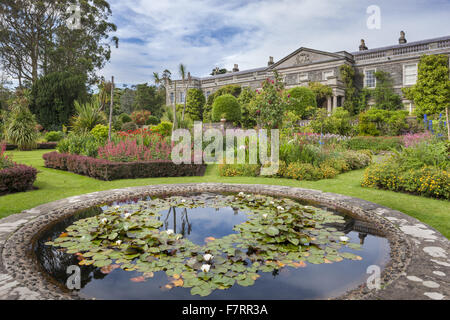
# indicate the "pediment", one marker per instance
pixel 305 56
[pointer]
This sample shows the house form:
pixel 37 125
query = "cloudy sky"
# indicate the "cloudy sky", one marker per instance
pixel 160 34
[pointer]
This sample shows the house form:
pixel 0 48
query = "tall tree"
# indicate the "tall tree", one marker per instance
pixel 183 73
pixel 149 98
pixel 35 38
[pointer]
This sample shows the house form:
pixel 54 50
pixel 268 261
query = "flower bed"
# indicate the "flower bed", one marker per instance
pixel 107 170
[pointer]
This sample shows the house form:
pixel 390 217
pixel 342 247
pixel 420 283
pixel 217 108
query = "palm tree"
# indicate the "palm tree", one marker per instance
pixel 156 78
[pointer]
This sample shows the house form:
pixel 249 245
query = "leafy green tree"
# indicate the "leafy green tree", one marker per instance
pixel 248 114
pixel 35 39
pixel 226 107
pixel 233 89
pixel 302 101
pixel 149 98
pixel 53 98
pixel 127 100
pixel 431 93
pixel 195 104
pixel 384 95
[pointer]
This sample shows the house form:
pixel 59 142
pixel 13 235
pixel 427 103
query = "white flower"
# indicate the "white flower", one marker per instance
pixel 183 201
pixel 170 231
pixel 241 194
pixel 208 257
pixel 117 207
pixel 344 239
pixel 118 242
pixel 264 215
pixel 127 215
pixel 280 208
pixel 205 268
pixel 271 202
pixel 104 221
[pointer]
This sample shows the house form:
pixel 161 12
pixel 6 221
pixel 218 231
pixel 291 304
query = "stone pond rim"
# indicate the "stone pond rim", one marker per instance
pixel 419 265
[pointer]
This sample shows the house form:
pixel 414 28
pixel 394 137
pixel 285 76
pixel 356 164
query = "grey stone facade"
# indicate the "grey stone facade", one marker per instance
pixel 305 65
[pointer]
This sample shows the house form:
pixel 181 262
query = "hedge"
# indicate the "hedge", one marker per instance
pixel 107 170
pixel 17 179
pixel 41 146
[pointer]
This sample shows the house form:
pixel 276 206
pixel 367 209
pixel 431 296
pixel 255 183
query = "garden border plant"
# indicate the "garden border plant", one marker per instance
pixel 107 170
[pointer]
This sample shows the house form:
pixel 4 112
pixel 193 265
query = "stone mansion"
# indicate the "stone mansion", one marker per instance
pixel 305 65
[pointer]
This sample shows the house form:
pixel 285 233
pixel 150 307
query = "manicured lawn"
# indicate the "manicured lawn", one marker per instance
pixel 54 185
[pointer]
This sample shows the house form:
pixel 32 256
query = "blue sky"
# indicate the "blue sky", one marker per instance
pixel 160 34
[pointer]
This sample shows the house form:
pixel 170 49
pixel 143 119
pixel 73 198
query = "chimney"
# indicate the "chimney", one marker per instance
pixel 236 68
pixel 402 39
pixel 363 46
pixel 270 61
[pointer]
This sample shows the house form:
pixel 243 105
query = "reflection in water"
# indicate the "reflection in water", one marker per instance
pixel 312 282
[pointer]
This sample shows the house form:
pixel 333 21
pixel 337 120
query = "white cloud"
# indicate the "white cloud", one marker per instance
pixel 206 33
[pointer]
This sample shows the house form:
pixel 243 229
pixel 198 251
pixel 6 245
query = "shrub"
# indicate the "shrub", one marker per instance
pixel 125 118
pixel 302 101
pixel 239 170
pixel 141 117
pixel 129 126
pixel 376 122
pixel 80 144
pixel 227 107
pixel 152 121
pixel 195 102
pixel 303 171
pixel 100 132
pixel 17 178
pixel 356 160
pixel 108 171
pixel 54 136
pixel 164 129
pixel 337 123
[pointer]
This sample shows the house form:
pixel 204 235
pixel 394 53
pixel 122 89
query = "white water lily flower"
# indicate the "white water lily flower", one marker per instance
pixel 264 215
pixel 205 268
pixel 271 202
pixel 241 194
pixel 104 221
pixel 170 231
pixel 280 208
pixel 118 242
pixel 183 201
pixel 127 215
pixel 344 239
pixel 208 257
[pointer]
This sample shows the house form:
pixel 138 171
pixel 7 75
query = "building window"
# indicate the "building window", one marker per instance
pixel 327 74
pixel 172 97
pixel 369 78
pixel 181 97
pixel 410 74
pixel 303 77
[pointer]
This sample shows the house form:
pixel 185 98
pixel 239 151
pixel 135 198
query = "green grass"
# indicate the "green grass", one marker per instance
pixel 54 185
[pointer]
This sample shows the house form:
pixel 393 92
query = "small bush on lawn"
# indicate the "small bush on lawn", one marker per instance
pixel 239 170
pixel 303 171
pixel 17 178
pixel 80 144
pixel 54 136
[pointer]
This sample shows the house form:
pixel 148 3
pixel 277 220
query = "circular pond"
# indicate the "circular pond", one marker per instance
pixel 211 246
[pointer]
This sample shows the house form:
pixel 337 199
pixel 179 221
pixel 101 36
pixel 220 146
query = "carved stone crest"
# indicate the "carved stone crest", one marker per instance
pixel 302 58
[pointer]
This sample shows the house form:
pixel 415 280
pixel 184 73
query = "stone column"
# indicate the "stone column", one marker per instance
pixel 330 107
pixel 335 103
